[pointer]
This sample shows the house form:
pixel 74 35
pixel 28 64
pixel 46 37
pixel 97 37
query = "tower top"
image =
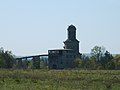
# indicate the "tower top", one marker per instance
pixel 71 32
pixel 72 42
pixel 71 27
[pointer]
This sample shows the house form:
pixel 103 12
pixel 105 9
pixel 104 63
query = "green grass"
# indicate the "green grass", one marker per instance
pixel 59 79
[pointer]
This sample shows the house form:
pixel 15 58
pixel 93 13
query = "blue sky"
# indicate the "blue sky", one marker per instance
pixel 29 27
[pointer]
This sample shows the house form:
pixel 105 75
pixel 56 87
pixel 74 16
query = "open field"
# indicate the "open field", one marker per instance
pixel 59 79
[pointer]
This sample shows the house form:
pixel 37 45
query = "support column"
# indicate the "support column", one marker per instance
pixel 25 63
pixel 36 62
pixel 19 63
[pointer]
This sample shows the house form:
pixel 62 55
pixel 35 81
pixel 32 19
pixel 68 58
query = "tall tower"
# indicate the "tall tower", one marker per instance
pixel 72 42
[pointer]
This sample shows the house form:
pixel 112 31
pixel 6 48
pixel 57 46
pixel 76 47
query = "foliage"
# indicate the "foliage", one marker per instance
pixel 36 63
pixel 78 63
pixel 100 59
pixel 97 52
pixel 103 58
pixel 43 63
pixel 7 59
pixel 116 60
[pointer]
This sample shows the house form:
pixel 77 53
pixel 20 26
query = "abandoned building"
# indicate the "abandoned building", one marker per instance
pixel 57 58
pixel 64 58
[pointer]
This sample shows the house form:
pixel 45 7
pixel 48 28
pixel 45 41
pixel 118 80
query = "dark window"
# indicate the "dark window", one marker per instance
pixel 60 52
pixel 70 56
pixel 61 62
pixel 54 66
pixel 66 56
pixel 66 62
pixel 74 56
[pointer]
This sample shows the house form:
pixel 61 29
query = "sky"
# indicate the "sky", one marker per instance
pixel 30 27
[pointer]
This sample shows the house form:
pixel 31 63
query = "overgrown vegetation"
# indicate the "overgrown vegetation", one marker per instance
pixel 100 59
pixel 59 79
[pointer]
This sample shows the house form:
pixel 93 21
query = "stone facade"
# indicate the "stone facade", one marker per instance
pixel 64 58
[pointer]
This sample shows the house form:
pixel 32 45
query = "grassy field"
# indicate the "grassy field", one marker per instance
pixel 59 79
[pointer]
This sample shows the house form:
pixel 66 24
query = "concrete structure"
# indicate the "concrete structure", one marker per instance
pixel 35 58
pixel 58 58
pixel 72 42
pixel 64 58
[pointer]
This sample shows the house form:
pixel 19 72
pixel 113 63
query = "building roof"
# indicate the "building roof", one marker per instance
pixel 60 49
pixel 71 27
pixel 68 40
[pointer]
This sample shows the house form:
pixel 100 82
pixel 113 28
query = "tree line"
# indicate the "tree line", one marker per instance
pixel 8 60
pixel 99 59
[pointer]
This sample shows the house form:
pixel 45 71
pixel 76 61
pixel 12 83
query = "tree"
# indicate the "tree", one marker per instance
pixel 92 63
pixel 43 63
pixel 98 52
pixel 7 59
pixel 25 63
pixel 78 63
pixel 103 58
pixel 1 57
pixel 82 62
pixel 36 63
pixel 85 63
pixel 107 61
pixel 116 60
pixel 19 63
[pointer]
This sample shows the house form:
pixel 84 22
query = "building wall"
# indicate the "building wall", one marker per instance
pixel 61 59
pixel 74 45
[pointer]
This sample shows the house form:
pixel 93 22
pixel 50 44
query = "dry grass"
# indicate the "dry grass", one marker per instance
pixel 59 79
